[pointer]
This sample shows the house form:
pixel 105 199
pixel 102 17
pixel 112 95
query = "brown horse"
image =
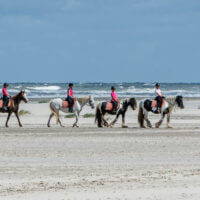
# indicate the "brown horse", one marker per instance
pixel 14 106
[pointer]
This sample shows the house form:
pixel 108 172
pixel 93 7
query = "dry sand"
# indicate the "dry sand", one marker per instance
pixel 56 163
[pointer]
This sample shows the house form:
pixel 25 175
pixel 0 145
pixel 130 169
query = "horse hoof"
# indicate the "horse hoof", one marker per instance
pixel 142 127
pixel 157 125
pixel 169 126
pixel 124 126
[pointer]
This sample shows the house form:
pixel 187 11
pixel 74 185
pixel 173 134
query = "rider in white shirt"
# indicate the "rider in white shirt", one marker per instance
pixel 159 97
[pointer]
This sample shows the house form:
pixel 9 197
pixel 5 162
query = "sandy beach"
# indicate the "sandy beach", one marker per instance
pixel 82 163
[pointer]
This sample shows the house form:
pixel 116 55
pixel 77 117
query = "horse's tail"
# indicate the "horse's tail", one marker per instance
pixel 141 116
pixel 53 111
pixel 98 116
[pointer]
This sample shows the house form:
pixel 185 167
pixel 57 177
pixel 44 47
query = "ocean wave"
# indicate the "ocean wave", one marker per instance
pixel 45 88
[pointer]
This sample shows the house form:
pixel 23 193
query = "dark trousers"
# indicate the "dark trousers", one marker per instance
pixel 159 101
pixel 114 105
pixel 5 100
pixel 70 101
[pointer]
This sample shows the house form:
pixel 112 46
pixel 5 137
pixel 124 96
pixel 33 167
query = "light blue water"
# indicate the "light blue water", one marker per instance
pixel 41 90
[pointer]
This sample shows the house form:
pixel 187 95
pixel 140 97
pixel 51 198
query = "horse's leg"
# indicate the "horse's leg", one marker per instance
pixel 75 124
pixel 60 122
pixel 104 121
pixel 9 114
pixel 17 115
pixel 123 121
pixel 161 120
pixel 51 115
pixel 115 120
pixel 146 119
pixel 168 121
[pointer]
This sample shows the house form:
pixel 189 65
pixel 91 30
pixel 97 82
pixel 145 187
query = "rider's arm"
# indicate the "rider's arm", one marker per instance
pixel 158 92
pixel 5 92
pixel 114 97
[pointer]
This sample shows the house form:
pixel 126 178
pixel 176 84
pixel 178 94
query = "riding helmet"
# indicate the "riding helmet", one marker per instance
pixel 157 85
pixel 5 84
pixel 113 88
pixel 71 84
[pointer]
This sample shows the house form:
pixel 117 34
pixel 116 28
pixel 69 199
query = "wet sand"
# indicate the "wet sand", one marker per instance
pixel 82 163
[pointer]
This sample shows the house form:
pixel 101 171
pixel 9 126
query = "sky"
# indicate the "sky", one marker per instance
pixel 100 40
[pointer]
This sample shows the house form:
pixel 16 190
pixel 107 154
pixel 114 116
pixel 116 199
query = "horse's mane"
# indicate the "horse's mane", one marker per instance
pixel 15 96
pixel 170 100
pixel 83 99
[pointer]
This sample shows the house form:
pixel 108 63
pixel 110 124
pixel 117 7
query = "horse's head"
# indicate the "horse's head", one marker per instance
pixel 91 102
pixel 179 101
pixel 23 96
pixel 133 103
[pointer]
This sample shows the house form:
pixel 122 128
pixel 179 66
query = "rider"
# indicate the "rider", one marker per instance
pixel 70 97
pixel 5 96
pixel 159 97
pixel 114 99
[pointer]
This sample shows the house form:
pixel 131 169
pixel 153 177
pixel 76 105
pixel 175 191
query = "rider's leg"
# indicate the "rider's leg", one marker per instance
pixel 71 102
pixel 114 105
pixel 5 102
pixel 159 103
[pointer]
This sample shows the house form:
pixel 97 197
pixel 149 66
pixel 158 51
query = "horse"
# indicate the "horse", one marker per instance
pixel 101 111
pixel 13 106
pixel 56 105
pixel 168 105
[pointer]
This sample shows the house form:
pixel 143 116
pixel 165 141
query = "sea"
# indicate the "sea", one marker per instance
pixel 100 90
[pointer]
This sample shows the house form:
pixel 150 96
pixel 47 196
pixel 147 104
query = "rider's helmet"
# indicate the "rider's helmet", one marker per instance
pixel 71 84
pixel 157 85
pixel 113 88
pixel 5 84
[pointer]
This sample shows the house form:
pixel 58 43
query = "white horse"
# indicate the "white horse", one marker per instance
pixel 145 106
pixel 56 106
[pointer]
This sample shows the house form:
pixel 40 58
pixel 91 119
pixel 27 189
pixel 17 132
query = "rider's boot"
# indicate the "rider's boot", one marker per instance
pixel 5 108
pixel 70 109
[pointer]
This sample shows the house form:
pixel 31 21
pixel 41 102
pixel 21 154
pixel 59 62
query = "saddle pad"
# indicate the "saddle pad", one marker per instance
pixel 1 104
pixel 109 106
pixel 154 103
pixel 65 104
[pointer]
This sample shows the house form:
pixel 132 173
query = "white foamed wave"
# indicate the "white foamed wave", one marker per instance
pixel 17 87
pixel 13 91
pixel 45 88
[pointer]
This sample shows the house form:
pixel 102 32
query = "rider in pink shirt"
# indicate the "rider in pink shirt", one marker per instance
pixel 70 97
pixel 114 99
pixel 5 96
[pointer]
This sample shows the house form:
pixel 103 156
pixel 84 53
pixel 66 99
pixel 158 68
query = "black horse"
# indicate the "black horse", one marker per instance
pixel 101 111
pixel 145 107
pixel 14 106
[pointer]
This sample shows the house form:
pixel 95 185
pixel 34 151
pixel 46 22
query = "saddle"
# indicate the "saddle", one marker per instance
pixel 154 103
pixel 65 104
pixel 109 106
pixel 1 103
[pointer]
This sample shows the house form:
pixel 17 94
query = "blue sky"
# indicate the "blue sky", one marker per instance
pixel 100 40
